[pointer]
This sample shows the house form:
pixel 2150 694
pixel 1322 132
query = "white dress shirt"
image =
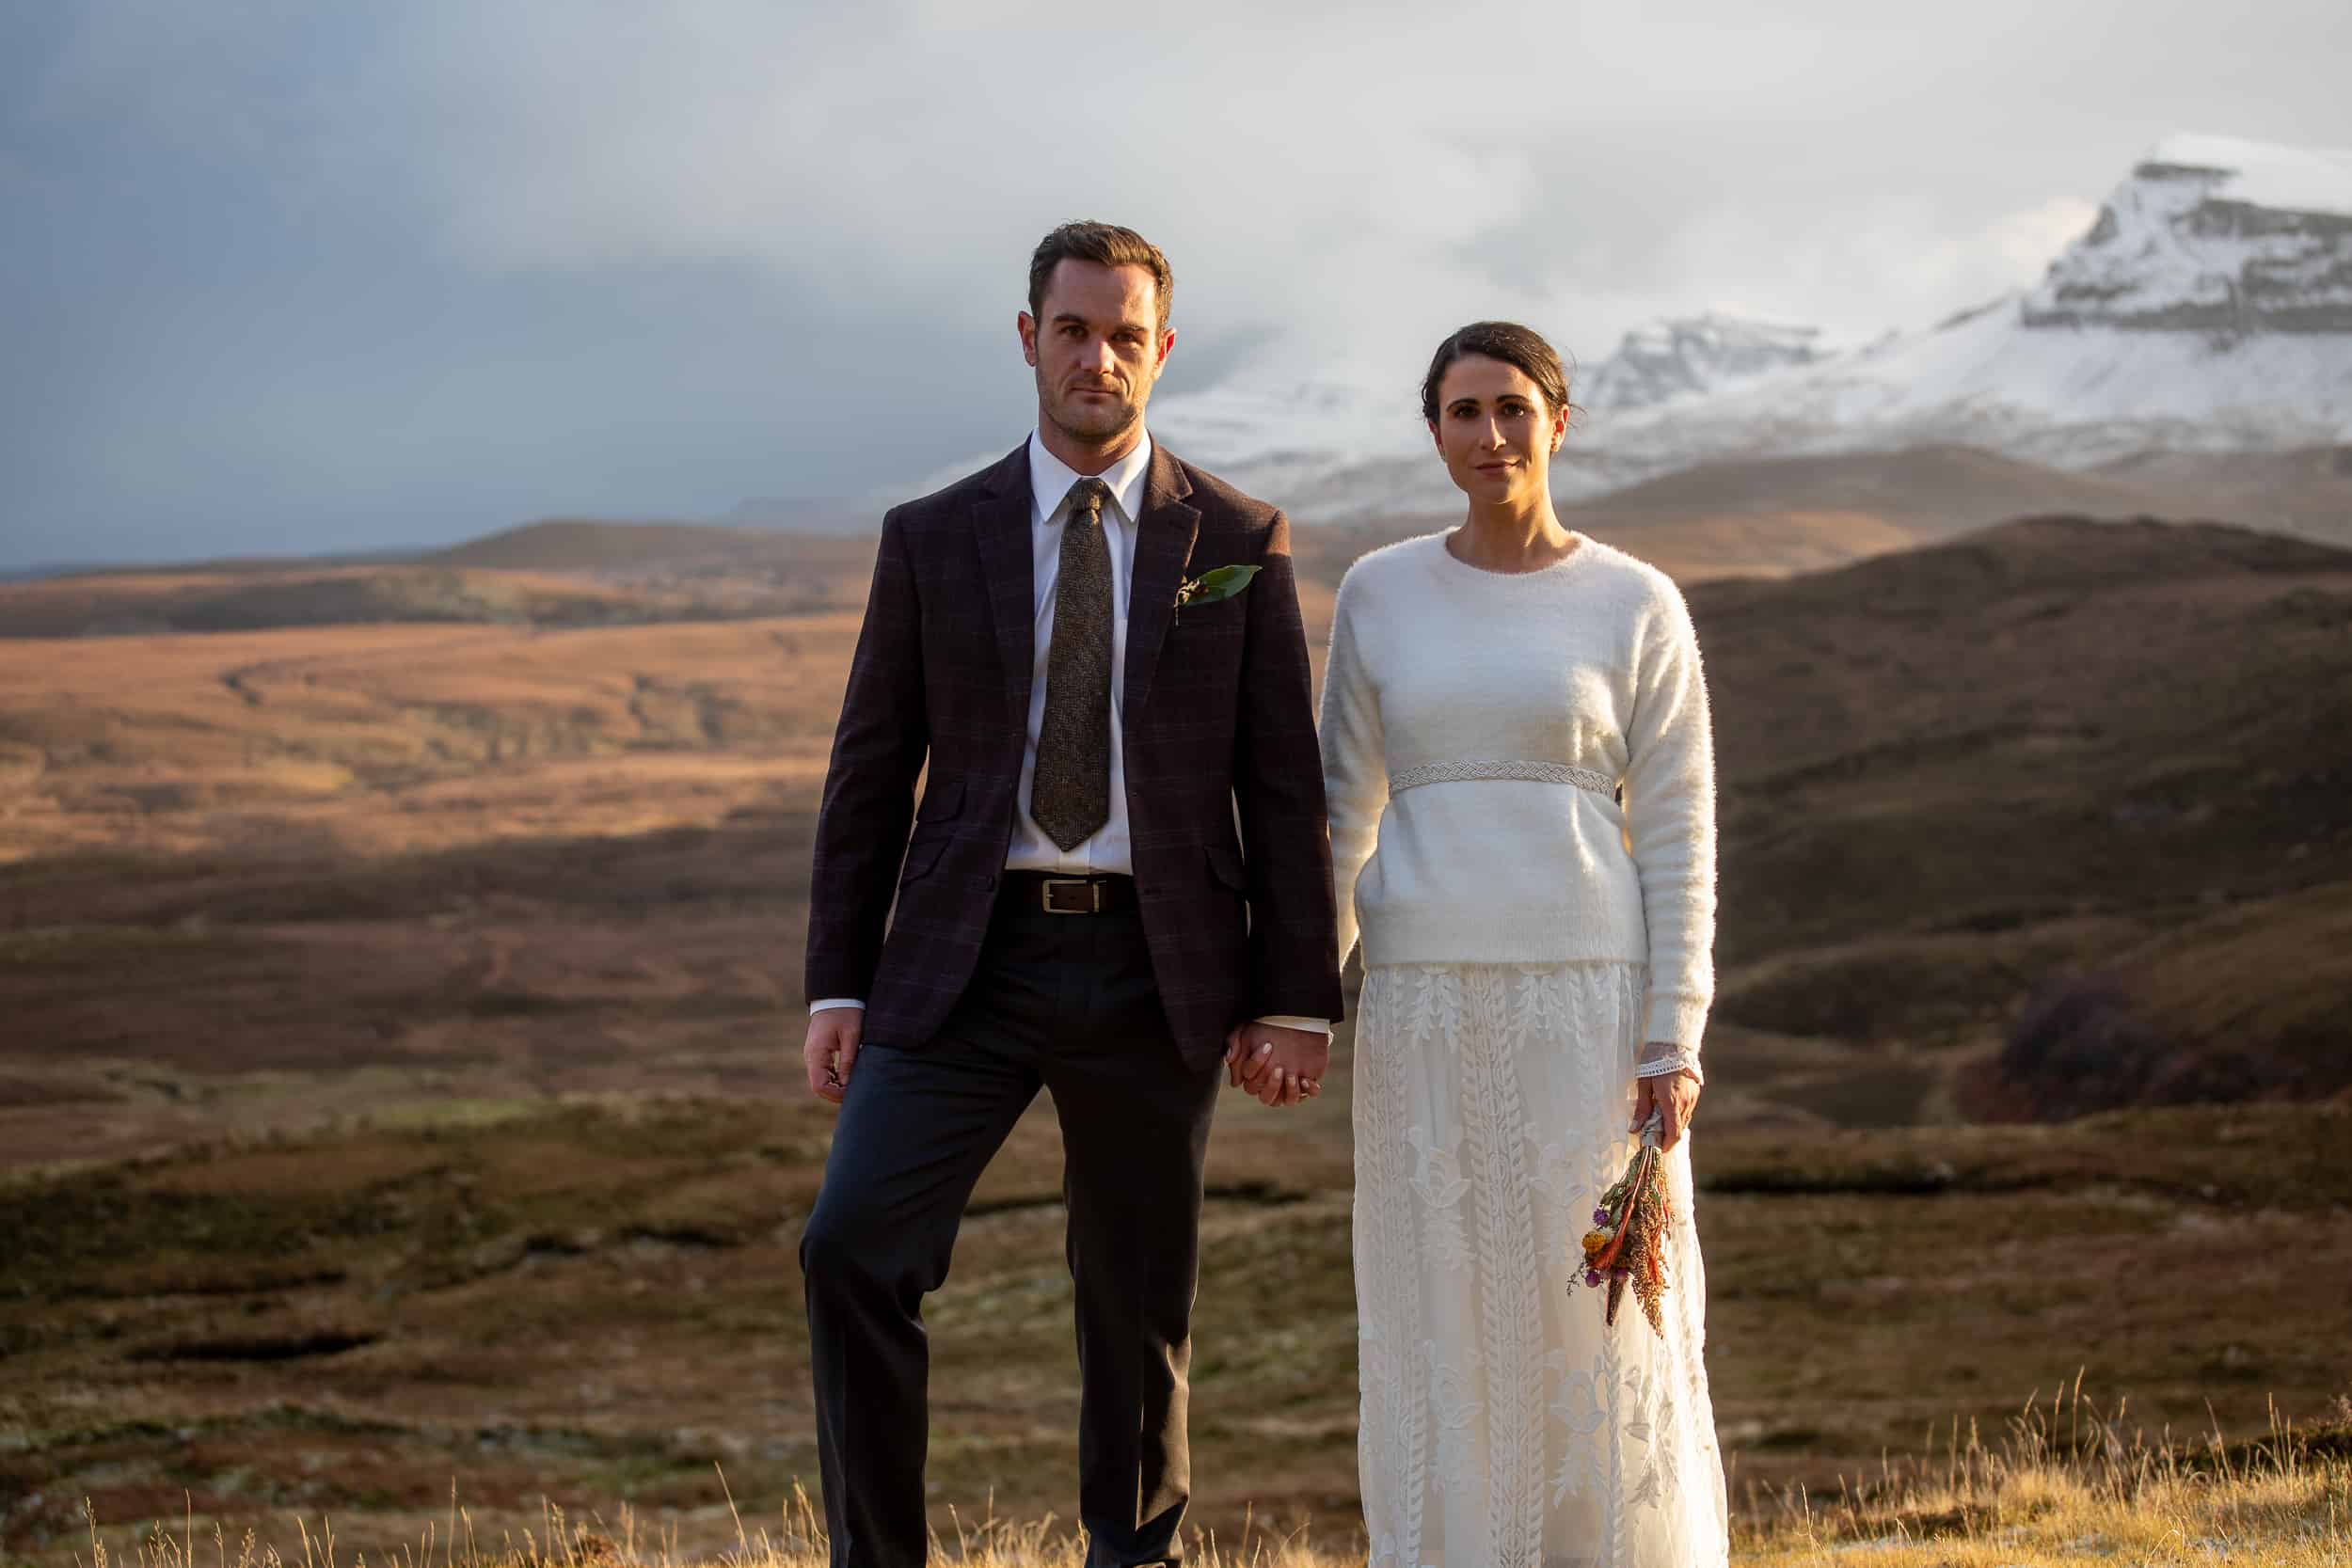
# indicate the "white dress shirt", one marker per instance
pixel 1107 851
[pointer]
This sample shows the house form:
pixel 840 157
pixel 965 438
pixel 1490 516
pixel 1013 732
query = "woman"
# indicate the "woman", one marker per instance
pixel 1538 970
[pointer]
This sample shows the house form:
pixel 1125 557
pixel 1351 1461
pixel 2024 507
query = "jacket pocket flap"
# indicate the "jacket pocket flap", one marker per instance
pixel 1225 865
pixel 922 856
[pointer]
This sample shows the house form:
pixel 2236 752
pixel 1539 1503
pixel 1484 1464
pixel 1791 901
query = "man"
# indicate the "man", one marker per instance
pixel 1074 908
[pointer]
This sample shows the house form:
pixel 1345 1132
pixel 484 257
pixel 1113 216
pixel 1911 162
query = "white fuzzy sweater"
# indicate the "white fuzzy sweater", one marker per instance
pixel 1588 669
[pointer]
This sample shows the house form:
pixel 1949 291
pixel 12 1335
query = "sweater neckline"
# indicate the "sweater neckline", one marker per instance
pixel 1585 547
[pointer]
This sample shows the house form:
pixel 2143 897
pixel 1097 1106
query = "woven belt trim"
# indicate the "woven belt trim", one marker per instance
pixel 1491 768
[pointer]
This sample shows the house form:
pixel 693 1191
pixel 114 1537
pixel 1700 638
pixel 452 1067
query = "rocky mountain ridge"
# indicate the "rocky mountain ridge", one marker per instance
pixel 2207 311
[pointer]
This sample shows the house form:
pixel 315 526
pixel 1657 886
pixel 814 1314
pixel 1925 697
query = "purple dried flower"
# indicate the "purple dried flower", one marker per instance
pixel 1591 1277
pixel 1600 1216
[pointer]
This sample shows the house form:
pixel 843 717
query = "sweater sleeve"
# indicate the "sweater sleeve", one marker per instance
pixel 1670 821
pixel 1355 761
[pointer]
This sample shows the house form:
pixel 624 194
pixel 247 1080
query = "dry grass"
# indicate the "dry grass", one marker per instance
pixel 2067 1483
pixel 797 1540
pixel 597 1303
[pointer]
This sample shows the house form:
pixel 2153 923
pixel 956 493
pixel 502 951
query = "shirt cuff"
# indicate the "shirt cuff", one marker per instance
pixel 1284 1020
pixel 831 1001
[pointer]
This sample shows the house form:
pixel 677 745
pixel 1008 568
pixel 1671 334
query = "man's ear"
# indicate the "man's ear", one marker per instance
pixel 1167 341
pixel 1025 325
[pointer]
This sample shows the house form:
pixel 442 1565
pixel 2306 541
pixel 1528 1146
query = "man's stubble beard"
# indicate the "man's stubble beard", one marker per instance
pixel 1085 426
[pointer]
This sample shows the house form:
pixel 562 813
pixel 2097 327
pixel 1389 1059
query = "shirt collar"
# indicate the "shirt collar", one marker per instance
pixel 1050 479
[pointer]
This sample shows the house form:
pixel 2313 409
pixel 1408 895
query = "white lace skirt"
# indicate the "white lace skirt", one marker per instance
pixel 1503 1424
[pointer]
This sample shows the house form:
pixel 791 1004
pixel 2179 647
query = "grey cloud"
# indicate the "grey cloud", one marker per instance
pixel 322 277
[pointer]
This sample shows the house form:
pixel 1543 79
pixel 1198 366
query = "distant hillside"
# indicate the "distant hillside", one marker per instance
pixel 557 574
pixel 1925 490
pixel 2052 755
pixel 2308 491
pixel 1932 492
pixel 1695 546
pixel 1773 516
pixel 577 544
pixel 144 603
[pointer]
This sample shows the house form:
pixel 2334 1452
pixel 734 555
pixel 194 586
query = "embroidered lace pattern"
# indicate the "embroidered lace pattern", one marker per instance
pixel 1502 1423
pixel 1502 768
pixel 1663 1059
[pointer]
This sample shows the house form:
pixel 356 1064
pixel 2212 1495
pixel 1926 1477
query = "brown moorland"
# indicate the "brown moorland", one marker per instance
pixel 595 1302
pixel 556 575
pixel 468 955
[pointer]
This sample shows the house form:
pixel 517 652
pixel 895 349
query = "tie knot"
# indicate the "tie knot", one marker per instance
pixel 1087 497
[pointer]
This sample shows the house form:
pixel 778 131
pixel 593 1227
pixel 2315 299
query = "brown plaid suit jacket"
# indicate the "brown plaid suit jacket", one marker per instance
pixel 1216 715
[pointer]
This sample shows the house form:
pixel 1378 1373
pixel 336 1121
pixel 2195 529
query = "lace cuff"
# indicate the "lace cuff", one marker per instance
pixel 1663 1059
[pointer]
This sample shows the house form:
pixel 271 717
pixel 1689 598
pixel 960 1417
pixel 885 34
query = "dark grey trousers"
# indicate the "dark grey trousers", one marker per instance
pixel 1067 1003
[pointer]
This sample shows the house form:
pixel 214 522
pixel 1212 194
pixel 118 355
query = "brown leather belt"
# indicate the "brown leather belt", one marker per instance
pixel 1058 894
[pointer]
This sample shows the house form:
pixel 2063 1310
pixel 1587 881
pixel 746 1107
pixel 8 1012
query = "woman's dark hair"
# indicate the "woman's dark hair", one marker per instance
pixel 1510 342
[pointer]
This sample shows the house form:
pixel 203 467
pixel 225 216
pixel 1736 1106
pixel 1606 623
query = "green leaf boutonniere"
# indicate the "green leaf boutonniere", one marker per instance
pixel 1209 587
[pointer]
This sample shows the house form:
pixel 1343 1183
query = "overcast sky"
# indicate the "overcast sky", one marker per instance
pixel 302 278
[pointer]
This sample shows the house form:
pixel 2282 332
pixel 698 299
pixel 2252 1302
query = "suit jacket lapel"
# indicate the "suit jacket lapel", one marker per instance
pixel 1001 520
pixel 1164 539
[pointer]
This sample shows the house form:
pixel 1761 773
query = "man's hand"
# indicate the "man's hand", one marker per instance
pixel 1281 1067
pixel 1675 1094
pixel 830 1051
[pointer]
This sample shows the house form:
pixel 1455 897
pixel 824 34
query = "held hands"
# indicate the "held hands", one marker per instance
pixel 1675 1095
pixel 1279 1066
pixel 831 1049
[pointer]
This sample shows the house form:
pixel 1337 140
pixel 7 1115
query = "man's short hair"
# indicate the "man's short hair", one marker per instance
pixel 1106 244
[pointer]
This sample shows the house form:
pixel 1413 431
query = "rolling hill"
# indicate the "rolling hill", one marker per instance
pixel 588 544
pixel 2052 754
pixel 568 574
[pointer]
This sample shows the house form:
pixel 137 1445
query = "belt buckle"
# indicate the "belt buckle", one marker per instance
pixel 1094 896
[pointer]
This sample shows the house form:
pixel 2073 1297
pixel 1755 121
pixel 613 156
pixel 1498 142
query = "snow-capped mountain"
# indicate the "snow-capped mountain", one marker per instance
pixel 2213 235
pixel 1692 356
pixel 2208 310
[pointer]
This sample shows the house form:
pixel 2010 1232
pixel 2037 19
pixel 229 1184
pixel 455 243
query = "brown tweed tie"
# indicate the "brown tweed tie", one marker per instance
pixel 1070 795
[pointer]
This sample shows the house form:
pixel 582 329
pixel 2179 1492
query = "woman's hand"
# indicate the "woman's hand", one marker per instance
pixel 1675 1094
pixel 1279 1066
